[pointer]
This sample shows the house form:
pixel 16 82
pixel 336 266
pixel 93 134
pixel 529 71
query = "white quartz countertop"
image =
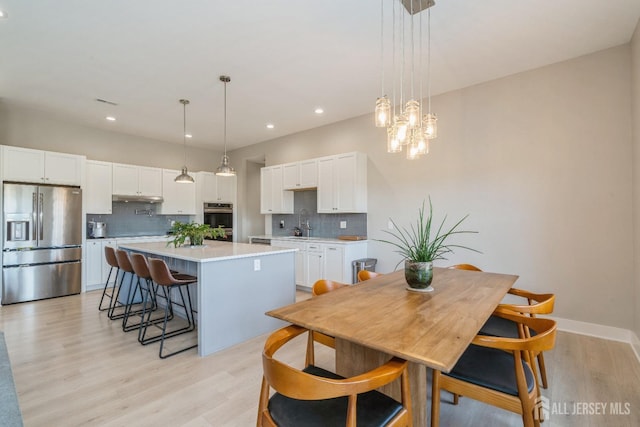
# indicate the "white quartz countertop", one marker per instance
pixel 211 251
pixel 317 240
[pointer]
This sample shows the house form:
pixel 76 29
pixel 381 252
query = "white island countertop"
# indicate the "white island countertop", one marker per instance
pixel 209 252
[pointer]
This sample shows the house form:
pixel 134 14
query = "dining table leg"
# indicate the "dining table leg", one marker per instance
pixel 353 359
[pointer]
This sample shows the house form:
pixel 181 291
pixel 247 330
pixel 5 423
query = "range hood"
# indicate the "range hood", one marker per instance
pixel 136 198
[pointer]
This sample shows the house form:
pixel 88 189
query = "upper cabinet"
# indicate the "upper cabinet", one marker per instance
pixel 300 175
pixel 133 180
pixel 342 183
pixel 273 198
pixel 98 187
pixel 179 198
pixel 28 165
pixel 215 189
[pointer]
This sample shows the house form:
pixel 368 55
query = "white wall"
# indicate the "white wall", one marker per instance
pixel 30 128
pixel 542 162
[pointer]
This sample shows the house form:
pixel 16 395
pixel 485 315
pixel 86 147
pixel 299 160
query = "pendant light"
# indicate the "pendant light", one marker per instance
pixel 225 169
pixel 184 177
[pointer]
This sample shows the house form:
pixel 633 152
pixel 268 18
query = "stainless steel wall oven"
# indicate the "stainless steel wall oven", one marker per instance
pixel 220 215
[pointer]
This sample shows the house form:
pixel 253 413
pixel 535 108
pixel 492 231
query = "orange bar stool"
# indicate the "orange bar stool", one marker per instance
pixel 110 256
pixel 166 281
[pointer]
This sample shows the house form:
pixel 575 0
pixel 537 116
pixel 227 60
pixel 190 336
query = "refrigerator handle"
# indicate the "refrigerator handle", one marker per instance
pixel 40 216
pixel 34 210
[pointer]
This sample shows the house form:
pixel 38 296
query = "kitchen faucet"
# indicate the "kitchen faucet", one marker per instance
pixel 304 214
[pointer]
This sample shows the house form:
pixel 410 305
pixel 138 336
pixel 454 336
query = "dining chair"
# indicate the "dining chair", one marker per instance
pixel 366 275
pixel 321 287
pixel 494 370
pixel 500 327
pixel 314 397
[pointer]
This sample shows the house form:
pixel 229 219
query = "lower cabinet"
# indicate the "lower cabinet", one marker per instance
pixel 317 260
pixel 96 265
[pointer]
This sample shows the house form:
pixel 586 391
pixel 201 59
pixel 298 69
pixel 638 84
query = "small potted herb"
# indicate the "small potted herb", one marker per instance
pixel 193 233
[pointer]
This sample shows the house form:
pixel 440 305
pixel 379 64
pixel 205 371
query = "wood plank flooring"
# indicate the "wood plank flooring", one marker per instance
pixel 74 367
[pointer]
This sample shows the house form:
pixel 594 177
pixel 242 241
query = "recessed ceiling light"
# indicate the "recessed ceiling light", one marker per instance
pixel 111 118
pixel 3 14
pixel 270 125
pixel 188 135
pixel 318 110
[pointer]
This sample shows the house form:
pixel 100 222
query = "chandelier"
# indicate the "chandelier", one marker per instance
pixel 409 124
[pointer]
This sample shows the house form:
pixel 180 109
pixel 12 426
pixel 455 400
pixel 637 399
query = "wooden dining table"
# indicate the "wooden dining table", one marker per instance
pixel 380 318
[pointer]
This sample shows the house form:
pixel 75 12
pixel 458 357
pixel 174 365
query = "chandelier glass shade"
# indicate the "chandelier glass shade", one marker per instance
pixel 409 124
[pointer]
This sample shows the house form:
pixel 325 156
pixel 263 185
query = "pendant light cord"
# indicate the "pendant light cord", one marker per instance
pixel 184 131
pixel 225 118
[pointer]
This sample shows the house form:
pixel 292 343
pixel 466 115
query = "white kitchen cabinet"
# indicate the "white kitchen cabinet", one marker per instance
pixel 342 183
pixel 315 264
pixel 215 189
pixel 131 180
pixel 333 263
pixel 179 198
pixel 98 187
pixel 37 166
pixel 96 264
pixel 301 258
pixel 273 198
pixel 300 175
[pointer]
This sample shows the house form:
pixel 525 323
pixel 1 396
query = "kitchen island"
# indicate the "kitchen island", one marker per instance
pixel 237 284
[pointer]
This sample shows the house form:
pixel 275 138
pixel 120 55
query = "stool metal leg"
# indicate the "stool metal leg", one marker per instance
pixel 104 291
pixel 191 326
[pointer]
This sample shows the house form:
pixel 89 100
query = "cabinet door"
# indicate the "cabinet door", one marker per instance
pixel 226 186
pixel 93 261
pixel 266 188
pixel 22 164
pixel 314 267
pixel 106 268
pixel 98 188
pixel 309 173
pixel 179 198
pixel 65 169
pixel 301 267
pixel 209 187
pixel 334 263
pixel 150 181
pixel 325 186
pixel 344 186
pixel 276 189
pixel 125 179
pixel 291 176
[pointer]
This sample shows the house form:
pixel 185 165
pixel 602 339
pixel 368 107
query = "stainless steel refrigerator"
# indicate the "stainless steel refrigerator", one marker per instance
pixel 42 242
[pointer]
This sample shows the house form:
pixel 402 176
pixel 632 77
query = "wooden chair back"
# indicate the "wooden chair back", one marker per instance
pixel 323 286
pixel 366 275
pixel 469 267
pixel 296 384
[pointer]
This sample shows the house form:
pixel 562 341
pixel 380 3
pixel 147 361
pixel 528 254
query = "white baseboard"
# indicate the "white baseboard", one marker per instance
pixel 600 331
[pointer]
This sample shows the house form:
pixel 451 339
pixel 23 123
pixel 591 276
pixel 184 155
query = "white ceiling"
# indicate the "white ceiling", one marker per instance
pixel 285 57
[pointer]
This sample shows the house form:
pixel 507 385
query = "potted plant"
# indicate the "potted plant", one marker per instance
pixel 193 232
pixel 420 246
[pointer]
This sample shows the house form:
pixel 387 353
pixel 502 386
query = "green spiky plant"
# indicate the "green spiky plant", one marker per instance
pixel 194 232
pixel 419 244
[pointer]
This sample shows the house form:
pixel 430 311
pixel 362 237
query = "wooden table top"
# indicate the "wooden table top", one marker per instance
pixel 431 328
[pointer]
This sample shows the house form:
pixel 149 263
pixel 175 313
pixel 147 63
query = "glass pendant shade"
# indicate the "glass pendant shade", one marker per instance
pixel 412 111
pixel 184 177
pixel 430 125
pixel 412 151
pixel 393 146
pixel 383 112
pixel 225 169
pixel 402 128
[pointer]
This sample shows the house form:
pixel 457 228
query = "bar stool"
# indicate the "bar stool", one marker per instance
pixel 125 265
pixel 167 282
pixel 149 293
pixel 110 256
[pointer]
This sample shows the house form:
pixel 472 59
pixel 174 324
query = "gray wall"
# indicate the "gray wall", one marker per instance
pixel 542 163
pixel 29 128
pixel 635 82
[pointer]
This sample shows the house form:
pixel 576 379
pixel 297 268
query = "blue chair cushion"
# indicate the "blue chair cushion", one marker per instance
pixel 373 408
pixel 490 368
pixel 497 326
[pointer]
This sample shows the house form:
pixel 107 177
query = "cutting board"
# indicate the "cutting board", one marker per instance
pixel 347 237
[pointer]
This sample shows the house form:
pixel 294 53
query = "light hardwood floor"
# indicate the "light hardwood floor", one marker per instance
pixel 74 367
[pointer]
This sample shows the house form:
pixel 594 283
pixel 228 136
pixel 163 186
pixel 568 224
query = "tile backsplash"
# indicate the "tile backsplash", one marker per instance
pixel 305 205
pixel 136 219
